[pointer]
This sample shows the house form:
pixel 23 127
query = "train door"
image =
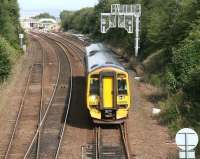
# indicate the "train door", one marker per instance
pixel 108 91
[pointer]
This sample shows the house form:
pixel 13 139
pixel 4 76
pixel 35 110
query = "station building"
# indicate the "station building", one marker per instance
pixel 44 24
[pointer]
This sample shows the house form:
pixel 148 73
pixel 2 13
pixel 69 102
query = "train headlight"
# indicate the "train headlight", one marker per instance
pixel 94 106
pixel 121 97
pixel 122 106
pixel 93 97
pixel 93 101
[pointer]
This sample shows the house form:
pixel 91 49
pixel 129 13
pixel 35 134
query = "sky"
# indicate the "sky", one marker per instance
pixel 54 7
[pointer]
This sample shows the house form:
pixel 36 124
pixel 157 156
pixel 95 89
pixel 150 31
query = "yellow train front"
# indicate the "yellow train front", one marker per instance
pixel 108 93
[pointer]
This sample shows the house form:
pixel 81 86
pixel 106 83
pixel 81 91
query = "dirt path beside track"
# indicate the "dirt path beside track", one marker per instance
pixel 11 94
pixel 147 138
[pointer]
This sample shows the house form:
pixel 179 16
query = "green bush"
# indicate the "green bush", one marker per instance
pixel 5 66
pixel 9 21
pixel 185 60
pixel 171 108
pixel 171 81
pixel 6 48
pixel 155 80
pixel 8 55
pixel 192 100
pixel 183 75
pixel 82 20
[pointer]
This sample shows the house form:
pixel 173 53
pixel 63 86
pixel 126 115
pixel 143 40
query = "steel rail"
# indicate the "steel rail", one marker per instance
pixel 73 37
pixel 19 113
pixel 61 45
pixel 41 102
pixel 98 141
pixel 123 139
pixel 67 46
pixel 68 105
pixel 65 38
pixel 123 131
pixel 53 39
pixel 46 112
pixel 72 48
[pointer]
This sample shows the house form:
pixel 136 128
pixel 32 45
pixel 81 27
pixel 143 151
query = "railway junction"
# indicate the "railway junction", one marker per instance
pixel 99 79
pixel 49 119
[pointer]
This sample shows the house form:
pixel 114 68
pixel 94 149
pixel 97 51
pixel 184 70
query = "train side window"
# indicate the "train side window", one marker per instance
pixel 94 86
pixel 122 87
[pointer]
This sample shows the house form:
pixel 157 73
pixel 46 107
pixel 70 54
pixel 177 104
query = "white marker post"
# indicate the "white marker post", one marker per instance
pixel 186 140
pixel 21 37
pixel 122 16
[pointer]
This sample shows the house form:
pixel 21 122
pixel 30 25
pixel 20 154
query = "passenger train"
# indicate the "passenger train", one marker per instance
pixel 108 90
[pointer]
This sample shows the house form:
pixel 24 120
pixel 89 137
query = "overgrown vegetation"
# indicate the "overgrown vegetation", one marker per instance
pixel 9 30
pixel 81 20
pixel 169 51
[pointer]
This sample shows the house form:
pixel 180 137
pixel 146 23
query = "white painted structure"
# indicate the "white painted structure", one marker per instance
pixel 44 24
pixel 123 16
pixel 186 139
pixel 28 23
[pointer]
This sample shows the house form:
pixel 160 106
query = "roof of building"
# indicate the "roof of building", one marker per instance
pixel 49 20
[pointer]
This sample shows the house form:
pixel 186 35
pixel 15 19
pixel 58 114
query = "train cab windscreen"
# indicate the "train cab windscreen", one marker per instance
pixel 122 87
pixel 94 86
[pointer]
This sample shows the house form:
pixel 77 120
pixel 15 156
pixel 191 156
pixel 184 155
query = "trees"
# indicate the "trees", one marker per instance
pixel 9 24
pixel 66 19
pixel 81 20
pixel 8 56
pixel 44 15
pixel 9 20
pixel 5 66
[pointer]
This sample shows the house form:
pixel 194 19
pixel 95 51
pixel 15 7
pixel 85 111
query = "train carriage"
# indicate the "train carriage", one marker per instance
pixel 108 93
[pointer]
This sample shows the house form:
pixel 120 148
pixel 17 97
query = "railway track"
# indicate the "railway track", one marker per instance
pixel 73 39
pixel 118 148
pixel 112 150
pixel 108 142
pixel 27 110
pixel 50 115
pixel 53 114
pixel 71 47
pixel 48 136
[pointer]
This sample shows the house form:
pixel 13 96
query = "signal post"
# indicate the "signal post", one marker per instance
pixel 123 16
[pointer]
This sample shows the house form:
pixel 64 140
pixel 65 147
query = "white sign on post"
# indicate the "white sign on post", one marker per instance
pixel 125 15
pixel 21 36
pixel 187 140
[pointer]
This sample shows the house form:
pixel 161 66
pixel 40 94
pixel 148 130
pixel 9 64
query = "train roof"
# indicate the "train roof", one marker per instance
pixel 95 47
pixel 97 56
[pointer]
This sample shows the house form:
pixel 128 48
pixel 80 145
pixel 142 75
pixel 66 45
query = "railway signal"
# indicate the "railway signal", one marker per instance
pixel 122 16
